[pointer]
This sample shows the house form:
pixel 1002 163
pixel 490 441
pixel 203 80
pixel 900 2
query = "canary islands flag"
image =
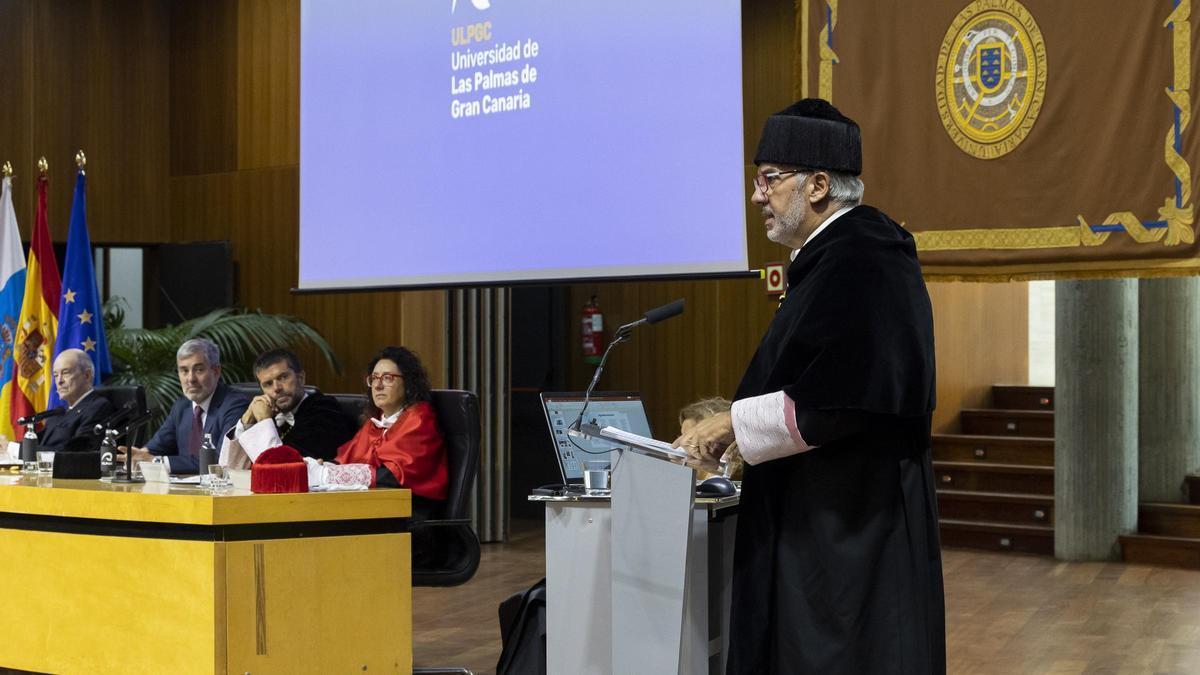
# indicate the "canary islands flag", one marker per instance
pixel 81 322
pixel 12 290
pixel 38 324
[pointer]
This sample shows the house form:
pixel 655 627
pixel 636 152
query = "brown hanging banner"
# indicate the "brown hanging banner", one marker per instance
pixel 1030 139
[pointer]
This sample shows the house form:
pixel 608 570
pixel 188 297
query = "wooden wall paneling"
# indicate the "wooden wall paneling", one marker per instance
pixel 99 83
pixel 620 303
pixel 268 83
pixel 768 46
pixel 356 325
pixel 264 235
pixel 981 334
pixel 203 86
pixel 125 126
pixel 423 329
pixel 62 41
pixel 744 312
pixel 16 106
pixel 678 357
pixel 203 207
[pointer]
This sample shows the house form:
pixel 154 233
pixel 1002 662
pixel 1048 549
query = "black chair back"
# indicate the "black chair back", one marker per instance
pixel 253 389
pixel 250 389
pixel 458 416
pixel 352 405
pixel 120 394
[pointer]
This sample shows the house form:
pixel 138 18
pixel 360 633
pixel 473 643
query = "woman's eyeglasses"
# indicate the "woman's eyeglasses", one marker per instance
pixel 387 379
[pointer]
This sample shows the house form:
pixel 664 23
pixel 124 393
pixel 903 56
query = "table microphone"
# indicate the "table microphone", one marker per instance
pixel 126 475
pixel 143 418
pixel 623 334
pixel 34 419
pixel 114 420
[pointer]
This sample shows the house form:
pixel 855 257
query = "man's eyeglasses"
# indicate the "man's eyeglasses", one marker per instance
pixel 387 378
pixel 767 180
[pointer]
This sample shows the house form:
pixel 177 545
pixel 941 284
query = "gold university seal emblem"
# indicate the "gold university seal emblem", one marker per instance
pixel 991 77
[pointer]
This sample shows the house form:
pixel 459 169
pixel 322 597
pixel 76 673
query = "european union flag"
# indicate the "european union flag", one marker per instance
pixel 80 319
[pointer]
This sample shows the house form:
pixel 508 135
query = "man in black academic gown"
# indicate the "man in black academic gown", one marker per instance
pixel 286 412
pixel 73 377
pixel 837 565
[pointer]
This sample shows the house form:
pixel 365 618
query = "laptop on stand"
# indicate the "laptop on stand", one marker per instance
pixel 620 409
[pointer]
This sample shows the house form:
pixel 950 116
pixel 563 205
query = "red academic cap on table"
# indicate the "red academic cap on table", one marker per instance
pixel 279 469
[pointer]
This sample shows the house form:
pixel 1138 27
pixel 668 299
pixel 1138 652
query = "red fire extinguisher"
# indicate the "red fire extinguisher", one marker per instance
pixel 593 332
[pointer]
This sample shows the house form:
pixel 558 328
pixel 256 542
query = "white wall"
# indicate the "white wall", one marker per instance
pixel 1041 333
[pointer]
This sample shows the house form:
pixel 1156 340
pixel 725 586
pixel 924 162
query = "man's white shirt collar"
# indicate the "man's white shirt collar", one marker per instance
pixel 289 417
pixel 204 404
pixel 85 395
pixel 820 228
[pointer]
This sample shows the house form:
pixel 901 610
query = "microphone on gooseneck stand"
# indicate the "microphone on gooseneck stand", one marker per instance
pixel 34 419
pixel 126 475
pixel 108 437
pixel 116 419
pixel 29 443
pixel 623 334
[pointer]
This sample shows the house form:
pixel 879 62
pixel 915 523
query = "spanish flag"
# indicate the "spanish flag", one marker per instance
pixel 38 325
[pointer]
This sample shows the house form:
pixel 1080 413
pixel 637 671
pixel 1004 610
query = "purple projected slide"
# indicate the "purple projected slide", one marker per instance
pixel 482 141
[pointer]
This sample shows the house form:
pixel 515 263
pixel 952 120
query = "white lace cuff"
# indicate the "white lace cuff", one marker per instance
pixel 765 427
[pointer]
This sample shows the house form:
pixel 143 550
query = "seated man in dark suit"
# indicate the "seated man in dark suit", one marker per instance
pixel 285 412
pixel 73 376
pixel 207 407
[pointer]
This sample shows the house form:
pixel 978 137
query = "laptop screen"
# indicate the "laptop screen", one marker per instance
pixel 622 410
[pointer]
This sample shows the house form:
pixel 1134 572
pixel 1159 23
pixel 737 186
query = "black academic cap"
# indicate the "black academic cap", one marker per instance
pixel 812 134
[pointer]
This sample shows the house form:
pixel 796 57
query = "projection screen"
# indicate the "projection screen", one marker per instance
pixel 451 142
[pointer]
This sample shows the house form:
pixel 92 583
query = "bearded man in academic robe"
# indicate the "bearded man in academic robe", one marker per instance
pixel 837 564
pixel 286 412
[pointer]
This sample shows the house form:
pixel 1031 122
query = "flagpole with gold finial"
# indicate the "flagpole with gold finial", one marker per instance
pixel 43 166
pixel 81 161
pixel 7 170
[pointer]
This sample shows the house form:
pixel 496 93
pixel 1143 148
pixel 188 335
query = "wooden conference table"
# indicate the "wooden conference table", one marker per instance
pixel 155 578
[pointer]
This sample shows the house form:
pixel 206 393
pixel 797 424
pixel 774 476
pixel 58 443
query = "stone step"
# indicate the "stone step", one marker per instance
pixel 1169 520
pixel 1148 549
pixel 993 449
pixel 1022 397
pixel 995 507
pixel 988 422
pixel 983 477
pixel 1038 539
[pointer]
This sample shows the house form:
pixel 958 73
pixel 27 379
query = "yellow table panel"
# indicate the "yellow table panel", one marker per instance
pixel 154 579
pixel 180 504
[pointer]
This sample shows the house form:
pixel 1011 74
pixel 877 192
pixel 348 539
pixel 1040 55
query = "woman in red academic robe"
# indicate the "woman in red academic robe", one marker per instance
pixel 400 438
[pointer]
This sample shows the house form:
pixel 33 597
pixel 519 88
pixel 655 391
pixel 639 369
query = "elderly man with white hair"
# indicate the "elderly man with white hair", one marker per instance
pixel 74 374
pixel 207 407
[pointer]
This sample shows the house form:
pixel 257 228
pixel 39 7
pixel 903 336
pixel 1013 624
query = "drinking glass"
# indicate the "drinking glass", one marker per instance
pixel 45 462
pixel 218 477
pixel 595 474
